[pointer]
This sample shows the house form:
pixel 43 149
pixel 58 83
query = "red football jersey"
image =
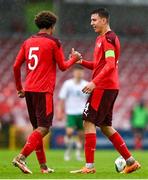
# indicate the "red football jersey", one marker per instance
pixel 41 52
pixel 105 61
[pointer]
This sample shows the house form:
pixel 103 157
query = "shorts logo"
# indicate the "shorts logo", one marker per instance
pixel 86 109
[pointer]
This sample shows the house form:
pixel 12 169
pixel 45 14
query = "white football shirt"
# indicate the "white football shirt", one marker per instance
pixel 75 99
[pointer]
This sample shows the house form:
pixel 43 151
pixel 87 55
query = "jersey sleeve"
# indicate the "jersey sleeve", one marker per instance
pixel 20 58
pixel 88 64
pixel 63 91
pixel 60 58
pixel 109 53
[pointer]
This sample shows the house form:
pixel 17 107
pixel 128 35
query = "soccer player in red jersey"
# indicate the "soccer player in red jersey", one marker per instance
pixel 41 53
pixel 103 91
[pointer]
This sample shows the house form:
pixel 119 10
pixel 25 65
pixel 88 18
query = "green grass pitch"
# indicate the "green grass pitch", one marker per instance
pixel 104 166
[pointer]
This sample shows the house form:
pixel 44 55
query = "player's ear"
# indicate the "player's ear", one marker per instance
pixel 52 28
pixel 106 21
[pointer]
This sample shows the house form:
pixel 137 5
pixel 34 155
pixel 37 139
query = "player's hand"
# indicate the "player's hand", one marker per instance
pixel 89 88
pixel 21 93
pixel 76 54
pixel 79 61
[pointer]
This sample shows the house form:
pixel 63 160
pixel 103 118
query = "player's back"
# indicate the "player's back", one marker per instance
pixel 40 63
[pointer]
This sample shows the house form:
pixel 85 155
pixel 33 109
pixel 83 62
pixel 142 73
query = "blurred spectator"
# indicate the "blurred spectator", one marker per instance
pixel 71 103
pixel 139 121
pixel 13 119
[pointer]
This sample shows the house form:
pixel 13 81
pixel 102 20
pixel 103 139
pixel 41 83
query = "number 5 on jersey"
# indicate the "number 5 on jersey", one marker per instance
pixel 32 56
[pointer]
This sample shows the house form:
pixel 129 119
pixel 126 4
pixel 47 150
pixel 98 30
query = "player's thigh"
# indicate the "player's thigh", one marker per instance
pixel 31 108
pixel 99 106
pixel 91 108
pixel 44 109
pixel 111 95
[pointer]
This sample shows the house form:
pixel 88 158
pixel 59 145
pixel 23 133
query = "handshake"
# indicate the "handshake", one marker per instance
pixel 76 54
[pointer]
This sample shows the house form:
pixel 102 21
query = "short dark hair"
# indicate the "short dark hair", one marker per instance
pixel 45 19
pixel 102 12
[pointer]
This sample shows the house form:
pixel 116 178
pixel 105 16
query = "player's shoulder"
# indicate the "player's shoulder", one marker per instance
pixel 55 40
pixel 110 37
pixel 68 82
pixel 51 38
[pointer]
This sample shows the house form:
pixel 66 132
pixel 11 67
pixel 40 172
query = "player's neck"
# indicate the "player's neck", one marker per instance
pixel 105 30
pixel 47 31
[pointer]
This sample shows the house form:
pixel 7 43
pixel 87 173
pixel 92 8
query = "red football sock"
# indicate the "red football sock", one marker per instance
pixel 32 142
pixel 120 145
pixel 90 147
pixel 40 153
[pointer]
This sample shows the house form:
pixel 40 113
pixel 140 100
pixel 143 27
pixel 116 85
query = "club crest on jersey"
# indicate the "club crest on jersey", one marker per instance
pixel 98 44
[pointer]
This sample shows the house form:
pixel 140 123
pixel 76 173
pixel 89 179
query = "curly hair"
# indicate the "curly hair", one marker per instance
pixel 45 19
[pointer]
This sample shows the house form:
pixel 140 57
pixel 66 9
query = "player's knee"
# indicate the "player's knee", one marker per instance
pixel 43 130
pixel 69 135
pixel 107 130
pixel 89 127
pixel 69 132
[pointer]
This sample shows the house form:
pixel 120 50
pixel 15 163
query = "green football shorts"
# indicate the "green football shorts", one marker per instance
pixel 75 121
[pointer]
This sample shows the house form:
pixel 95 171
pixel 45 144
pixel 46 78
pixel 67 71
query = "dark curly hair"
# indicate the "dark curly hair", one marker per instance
pixel 45 19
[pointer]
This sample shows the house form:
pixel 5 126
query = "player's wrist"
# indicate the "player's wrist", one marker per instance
pixel 94 83
pixel 81 61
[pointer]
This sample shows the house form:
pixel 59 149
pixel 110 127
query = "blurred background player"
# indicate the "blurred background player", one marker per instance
pixel 71 102
pixel 139 122
pixel 103 90
pixel 41 52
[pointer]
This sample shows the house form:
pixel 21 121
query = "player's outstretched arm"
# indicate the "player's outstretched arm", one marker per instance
pixel 60 58
pixel 87 64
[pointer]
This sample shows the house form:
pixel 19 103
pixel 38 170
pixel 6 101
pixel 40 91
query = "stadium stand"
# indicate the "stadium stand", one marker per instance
pixel 132 67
